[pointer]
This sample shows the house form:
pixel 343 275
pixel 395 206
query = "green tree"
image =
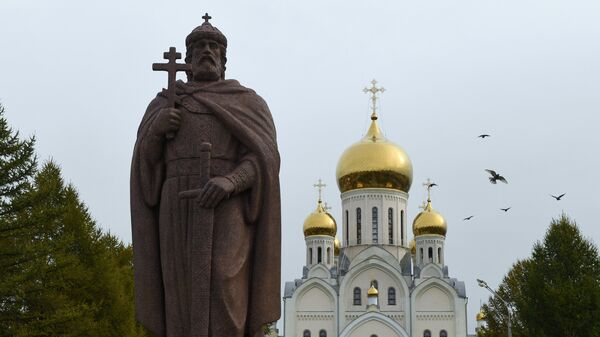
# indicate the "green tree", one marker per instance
pixel 556 292
pixel 61 275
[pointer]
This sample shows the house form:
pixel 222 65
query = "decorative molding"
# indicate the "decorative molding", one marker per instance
pixel 315 316
pixel 435 316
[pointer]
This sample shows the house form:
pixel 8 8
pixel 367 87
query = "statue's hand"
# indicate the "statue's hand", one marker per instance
pixel 167 121
pixel 209 196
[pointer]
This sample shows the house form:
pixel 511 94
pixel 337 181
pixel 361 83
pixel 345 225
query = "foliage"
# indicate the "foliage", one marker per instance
pixel 555 292
pixel 61 275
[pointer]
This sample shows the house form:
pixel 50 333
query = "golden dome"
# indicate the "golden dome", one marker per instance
pixel 372 291
pixel 336 246
pixel 374 162
pixel 413 247
pixel 319 222
pixel 429 222
pixel 480 316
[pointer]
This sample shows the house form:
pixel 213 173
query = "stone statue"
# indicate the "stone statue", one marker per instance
pixel 205 202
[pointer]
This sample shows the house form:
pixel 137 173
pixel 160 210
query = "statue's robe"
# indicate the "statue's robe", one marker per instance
pixel 245 286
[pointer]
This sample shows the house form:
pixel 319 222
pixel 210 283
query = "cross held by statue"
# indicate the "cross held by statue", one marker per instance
pixel 171 67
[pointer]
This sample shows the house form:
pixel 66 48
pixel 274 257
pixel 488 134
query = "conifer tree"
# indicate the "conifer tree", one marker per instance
pixel 556 292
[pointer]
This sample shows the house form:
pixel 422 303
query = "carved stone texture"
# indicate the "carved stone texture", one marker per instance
pixel 205 202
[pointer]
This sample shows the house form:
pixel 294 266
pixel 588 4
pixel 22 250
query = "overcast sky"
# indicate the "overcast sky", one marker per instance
pixel 77 75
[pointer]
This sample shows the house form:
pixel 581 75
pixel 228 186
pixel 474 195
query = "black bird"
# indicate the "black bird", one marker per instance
pixel 496 177
pixel 505 209
pixel 483 136
pixel 468 218
pixel 432 185
pixel 559 197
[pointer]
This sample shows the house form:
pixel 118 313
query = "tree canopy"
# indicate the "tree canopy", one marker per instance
pixel 555 292
pixel 61 275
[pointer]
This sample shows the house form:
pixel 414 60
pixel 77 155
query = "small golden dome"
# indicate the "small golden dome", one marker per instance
pixel 374 162
pixel 413 247
pixel 480 316
pixel 336 246
pixel 429 222
pixel 319 222
pixel 372 291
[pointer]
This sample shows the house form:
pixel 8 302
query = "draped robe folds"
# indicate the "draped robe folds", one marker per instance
pixel 247 225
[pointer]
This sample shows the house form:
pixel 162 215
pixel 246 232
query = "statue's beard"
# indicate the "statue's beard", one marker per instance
pixel 207 69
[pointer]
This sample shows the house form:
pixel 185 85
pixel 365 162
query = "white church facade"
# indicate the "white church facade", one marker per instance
pixel 377 281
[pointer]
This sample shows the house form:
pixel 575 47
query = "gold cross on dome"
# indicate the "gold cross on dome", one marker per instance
pixel 428 185
pixel 319 187
pixel 373 90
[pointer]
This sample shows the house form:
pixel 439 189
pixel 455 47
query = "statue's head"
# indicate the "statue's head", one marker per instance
pixel 206 52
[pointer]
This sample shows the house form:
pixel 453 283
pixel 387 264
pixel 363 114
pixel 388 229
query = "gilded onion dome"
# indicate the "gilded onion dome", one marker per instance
pixel 336 246
pixel 319 222
pixel 374 162
pixel 413 247
pixel 429 222
pixel 480 316
pixel 372 291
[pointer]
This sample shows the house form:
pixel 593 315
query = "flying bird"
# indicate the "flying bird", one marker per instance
pixel 483 136
pixel 468 218
pixel 505 209
pixel 496 177
pixel 432 184
pixel 559 197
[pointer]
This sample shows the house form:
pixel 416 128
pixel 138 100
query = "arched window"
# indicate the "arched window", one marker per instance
pixel 328 255
pixel 439 255
pixel 374 219
pixel 322 333
pixel 320 253
pixel 358 224
pixel 310 255
pixel 391 296
pixel 430 251
pixel 391 225
pixel 402 227
pixel 306 333
pixel 347 228
pixel 356 300
pixel 421 254
pixel 443 333
pixel 426 333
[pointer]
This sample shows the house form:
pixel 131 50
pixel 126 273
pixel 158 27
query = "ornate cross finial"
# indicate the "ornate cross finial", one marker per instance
pixel 206 17
pixel 428 185
pixel 320 186
pixel 373 90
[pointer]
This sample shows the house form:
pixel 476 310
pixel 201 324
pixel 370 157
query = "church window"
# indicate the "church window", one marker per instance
pixel 391 225
pixel 322 333
pixel 306 333
pixel 439 255
pixel 328 255
pixel 391 296
pixel 426 333
pixel 356 300
pixel 402 227
pixel 430 251
pixel 421 254
pixel 443 333
pixel 319 253
pixel 375 216
pixel 310 255
pixel 358 224
pixel 347 228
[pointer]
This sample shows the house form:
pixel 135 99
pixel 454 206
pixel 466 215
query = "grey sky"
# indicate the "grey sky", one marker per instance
pixel 78 75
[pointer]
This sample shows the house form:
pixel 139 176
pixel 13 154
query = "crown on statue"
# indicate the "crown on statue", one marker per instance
pixel 206 31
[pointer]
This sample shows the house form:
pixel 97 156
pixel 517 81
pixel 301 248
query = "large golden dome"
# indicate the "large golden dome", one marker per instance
pixel 374 162
pixel 429 222
pixel 319 222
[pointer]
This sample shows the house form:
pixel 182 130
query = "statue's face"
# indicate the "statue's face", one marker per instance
pixel 206 60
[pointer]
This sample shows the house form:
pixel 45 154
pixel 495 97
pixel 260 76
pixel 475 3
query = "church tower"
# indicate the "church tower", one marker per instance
pixel 319 234
pixel 374 176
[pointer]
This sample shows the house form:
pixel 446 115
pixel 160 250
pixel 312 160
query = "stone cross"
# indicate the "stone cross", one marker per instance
pixel 171 67
pixel 373 90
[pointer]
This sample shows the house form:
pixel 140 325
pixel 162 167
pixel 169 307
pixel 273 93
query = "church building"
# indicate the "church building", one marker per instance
pixel 378 280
